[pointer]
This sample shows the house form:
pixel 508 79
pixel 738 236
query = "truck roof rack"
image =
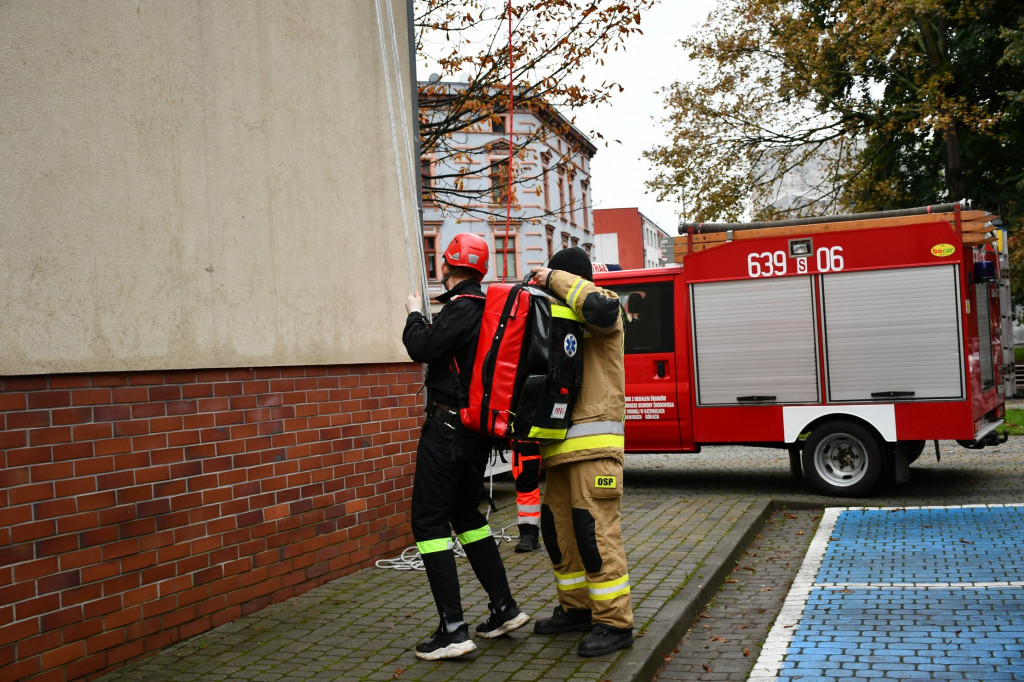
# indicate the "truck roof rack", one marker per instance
pixel 973 226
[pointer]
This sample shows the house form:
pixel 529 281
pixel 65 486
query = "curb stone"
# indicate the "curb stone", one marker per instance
pixel 680 612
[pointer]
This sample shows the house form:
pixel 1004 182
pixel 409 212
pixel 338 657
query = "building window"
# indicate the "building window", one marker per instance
pixel 497 123
pixel 550 229
pixel 430 255
pixel 565 240
pixel 584 188
pixel 427 178
pixel 499 181
pixel 572 195
pixel 505 258
pixel 545 162
pixel 561 191
pixel 575 241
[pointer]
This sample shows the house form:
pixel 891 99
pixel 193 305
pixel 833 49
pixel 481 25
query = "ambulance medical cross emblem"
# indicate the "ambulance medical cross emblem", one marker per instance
pixel 569 344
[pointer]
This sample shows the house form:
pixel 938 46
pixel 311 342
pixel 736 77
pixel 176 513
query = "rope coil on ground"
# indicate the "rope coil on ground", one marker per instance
pixel 410 559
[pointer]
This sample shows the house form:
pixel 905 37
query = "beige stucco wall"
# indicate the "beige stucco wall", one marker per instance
pixel 203 184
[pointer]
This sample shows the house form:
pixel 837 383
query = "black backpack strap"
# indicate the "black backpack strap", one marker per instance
pixel 461 388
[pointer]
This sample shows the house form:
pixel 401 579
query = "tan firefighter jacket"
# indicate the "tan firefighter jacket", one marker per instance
pixel 600 411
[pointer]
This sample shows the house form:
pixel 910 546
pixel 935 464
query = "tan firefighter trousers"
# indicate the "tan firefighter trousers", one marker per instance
pixel 580 523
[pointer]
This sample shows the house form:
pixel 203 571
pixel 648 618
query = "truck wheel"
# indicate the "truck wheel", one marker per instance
pixel 913 448
pixel 842 459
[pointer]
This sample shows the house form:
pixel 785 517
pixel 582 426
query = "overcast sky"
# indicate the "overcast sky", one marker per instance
pixel 651 61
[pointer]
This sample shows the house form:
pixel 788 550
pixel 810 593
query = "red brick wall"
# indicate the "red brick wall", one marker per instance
pixel 139 509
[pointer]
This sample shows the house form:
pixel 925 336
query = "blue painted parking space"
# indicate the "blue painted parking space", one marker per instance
pixel 927 593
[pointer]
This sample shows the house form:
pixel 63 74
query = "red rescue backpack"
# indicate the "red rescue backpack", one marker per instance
pixel 528 366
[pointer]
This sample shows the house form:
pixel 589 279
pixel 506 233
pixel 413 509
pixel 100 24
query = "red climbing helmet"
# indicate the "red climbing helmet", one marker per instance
pixel 468 250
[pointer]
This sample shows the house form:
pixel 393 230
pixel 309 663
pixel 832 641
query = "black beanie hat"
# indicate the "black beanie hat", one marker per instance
pixel 574 260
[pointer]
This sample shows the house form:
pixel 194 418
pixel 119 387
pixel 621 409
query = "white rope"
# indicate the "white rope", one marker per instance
pixel 410 559
pixel 412 165
pixel 387 65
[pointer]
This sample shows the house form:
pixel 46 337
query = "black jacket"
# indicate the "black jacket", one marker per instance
pixel 453 333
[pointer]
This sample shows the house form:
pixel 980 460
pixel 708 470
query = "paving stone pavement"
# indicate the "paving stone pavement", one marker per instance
pixel 687 520
pixel 364 626
pixel 726 639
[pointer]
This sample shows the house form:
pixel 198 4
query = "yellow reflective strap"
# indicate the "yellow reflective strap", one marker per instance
pixel 474 535
pixel 564 312
pixel 546 434
pixel 583 443
pixel 430 546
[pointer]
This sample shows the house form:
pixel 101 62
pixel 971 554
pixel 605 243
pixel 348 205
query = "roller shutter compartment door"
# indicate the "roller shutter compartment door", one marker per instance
pixel 893 334
pixel 755 341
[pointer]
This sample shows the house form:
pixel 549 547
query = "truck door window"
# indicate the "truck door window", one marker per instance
pixel 647 315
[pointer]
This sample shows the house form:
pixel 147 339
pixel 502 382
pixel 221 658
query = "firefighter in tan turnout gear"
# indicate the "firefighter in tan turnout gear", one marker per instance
pixel 580 512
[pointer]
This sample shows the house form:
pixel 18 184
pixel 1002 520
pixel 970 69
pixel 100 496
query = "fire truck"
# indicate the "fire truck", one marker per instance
pixel 849 341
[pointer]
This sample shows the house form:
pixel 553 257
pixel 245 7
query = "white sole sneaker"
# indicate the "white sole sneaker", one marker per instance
pixel 506 627
pixel 453 650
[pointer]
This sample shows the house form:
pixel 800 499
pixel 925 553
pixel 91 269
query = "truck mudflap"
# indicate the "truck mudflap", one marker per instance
pixel 986 436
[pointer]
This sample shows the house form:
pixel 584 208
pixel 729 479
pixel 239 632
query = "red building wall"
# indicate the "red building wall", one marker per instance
pixel 628 224
pixel 139 509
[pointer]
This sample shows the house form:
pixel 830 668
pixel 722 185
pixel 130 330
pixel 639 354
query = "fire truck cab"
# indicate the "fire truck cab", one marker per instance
pixel 849 341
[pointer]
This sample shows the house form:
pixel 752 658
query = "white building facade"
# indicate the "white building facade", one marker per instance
pixel 465 186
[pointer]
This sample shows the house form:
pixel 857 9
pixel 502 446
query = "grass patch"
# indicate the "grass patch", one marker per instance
pixel 1014 422
pixel 1018 353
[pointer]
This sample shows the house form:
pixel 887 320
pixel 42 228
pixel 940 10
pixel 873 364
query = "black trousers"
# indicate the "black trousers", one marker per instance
pixel 446 496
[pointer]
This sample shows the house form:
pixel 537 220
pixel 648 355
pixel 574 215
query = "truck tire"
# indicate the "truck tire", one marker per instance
pixel 913 448
pixel 842 459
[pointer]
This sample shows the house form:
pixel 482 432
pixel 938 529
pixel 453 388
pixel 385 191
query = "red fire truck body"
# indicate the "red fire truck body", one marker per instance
pixel 849 341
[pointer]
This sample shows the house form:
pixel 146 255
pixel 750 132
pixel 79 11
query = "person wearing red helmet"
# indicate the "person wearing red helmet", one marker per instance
pixel 450 459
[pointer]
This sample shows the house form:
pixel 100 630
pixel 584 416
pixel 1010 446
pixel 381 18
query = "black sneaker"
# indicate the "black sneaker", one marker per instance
pixel 604 639
pixel 576 620
pixel 528 539
pixel 446 644
pixel 503 620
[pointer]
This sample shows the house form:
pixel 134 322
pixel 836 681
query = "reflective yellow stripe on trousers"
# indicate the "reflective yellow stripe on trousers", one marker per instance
pixel 438 545
pixel 610 589
pixel 474 535
pixel 570 581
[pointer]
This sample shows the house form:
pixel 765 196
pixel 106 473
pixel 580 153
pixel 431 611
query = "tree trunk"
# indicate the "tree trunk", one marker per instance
pixel 939 62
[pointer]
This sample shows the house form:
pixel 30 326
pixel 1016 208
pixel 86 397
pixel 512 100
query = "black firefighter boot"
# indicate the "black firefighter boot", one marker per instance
pixel 604 639
pixel 573 620
pixel 529 538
